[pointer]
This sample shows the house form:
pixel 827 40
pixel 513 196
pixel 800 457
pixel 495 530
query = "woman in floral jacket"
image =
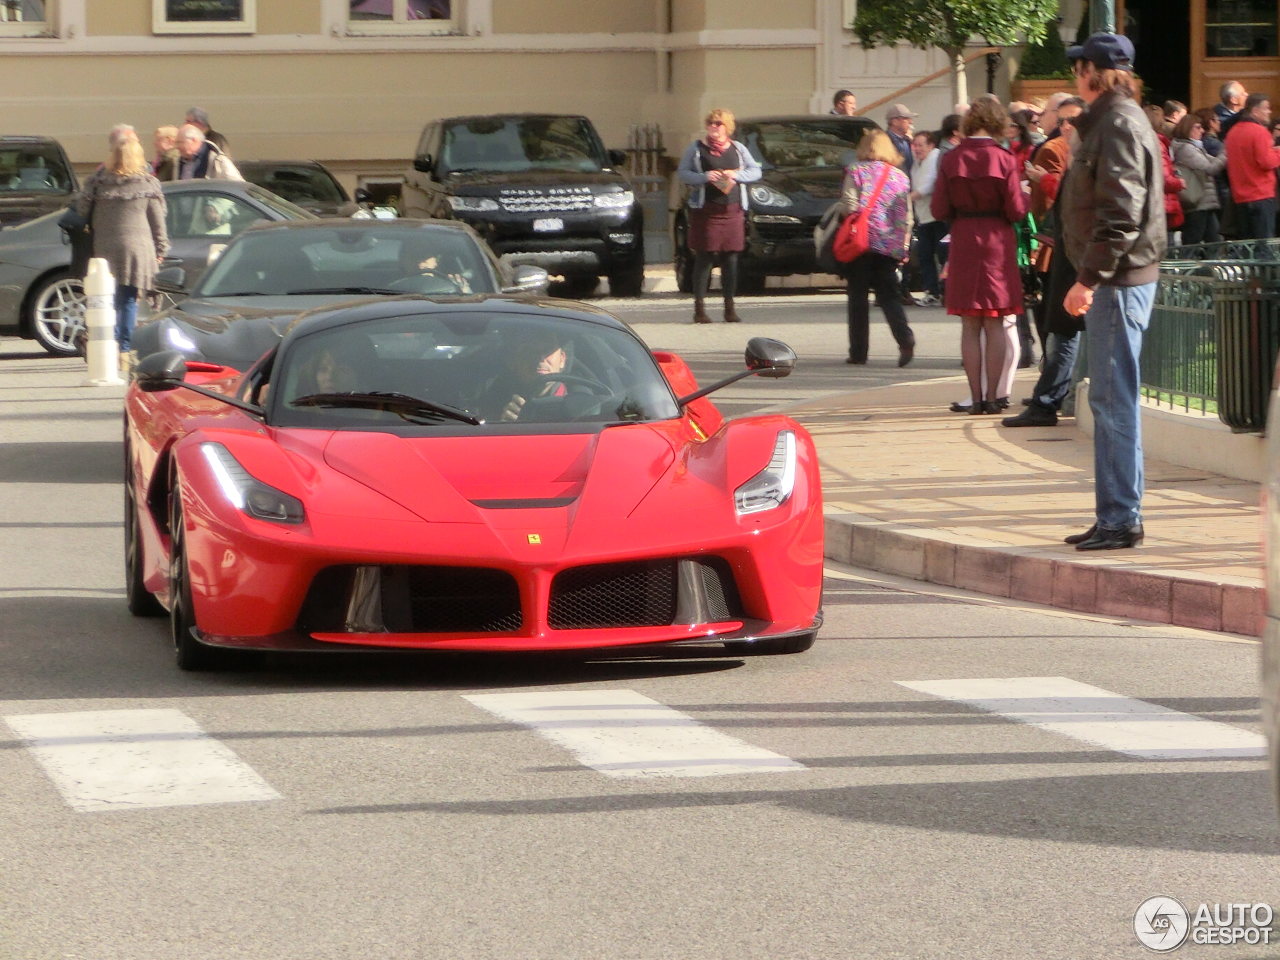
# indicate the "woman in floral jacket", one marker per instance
pixel 890 238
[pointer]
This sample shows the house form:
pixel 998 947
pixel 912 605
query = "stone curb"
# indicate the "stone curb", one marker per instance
pixel 1047 576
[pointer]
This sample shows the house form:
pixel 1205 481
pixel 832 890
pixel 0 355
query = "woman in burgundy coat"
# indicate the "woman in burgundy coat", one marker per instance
pixel 979 192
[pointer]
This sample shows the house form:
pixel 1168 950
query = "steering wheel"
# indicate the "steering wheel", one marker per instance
pixel 429 281
pixel 592 385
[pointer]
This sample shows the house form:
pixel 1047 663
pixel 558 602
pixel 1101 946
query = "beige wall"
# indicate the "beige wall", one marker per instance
pixel 132 18
pixel 574 16
pixel 759 14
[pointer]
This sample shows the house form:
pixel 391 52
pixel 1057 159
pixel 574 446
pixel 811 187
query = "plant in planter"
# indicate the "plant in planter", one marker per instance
pixel 1044 68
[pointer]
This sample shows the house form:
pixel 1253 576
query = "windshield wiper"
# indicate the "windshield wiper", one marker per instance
pixel 238 293
pixel 398 403
pixel 319 291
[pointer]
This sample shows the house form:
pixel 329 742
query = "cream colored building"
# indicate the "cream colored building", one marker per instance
pixel 351 82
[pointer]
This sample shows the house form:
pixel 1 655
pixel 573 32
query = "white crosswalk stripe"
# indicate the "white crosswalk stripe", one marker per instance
pixel 625 734
pixel 1083 712
pixel 134 759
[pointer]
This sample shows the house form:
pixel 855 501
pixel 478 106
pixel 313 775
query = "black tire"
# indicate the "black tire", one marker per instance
pixel 577 286
pixel 140 600
pixel 683 256
pixel 55 312
pixel 629 280
pixel 191 653
pixel 750 281
pixel 769 648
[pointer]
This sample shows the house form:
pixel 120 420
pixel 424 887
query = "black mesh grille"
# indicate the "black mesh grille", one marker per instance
pixel 638 594
pixel 419 600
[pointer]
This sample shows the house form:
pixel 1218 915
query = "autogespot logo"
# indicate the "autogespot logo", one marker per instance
pixel 1161 924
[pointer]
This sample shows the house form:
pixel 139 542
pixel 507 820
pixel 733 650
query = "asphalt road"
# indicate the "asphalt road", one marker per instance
pixel 399 811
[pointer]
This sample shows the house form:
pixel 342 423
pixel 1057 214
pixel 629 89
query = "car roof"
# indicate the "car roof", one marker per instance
pixel 809 117
pixel 24 138
pixel 512 116
pixel 382 308
pixel 348 223
pixel 182 186
pixel 245 164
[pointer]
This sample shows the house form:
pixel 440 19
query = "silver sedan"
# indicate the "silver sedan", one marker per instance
pixel 42 300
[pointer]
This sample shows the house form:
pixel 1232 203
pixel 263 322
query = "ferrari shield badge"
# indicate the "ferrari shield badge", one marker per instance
pixel 535 538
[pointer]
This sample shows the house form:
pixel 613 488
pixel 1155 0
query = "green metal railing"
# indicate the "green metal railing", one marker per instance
pixel 1215 331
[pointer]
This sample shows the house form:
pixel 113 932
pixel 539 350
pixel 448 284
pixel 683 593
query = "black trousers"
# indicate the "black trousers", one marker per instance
pixel 875 271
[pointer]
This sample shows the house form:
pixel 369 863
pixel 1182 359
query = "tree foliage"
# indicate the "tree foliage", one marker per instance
pixel 949 24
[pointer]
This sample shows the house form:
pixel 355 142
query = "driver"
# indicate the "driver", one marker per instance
pixel 529 372
pixel 417 262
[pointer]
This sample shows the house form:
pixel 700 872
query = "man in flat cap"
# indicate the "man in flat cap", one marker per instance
pixel 1113 223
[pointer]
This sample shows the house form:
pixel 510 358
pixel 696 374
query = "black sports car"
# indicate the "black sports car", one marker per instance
pixel 803 158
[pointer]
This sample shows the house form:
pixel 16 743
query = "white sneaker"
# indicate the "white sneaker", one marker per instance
pixel 929 300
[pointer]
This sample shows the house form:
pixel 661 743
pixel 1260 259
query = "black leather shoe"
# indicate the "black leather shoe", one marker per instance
pixel 1104 539
pixel 858 363
pixel 1032 416
pixel 905 354
pixel 1081 537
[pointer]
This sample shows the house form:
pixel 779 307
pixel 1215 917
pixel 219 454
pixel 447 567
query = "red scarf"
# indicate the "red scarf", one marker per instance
pixel 716 149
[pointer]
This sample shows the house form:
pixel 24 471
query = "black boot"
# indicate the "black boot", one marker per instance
pixel 700 311
pixel 730 314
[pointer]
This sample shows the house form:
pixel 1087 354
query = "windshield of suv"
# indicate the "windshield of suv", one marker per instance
pixel 447 369
pixel 33 168
pixel 349 259
pixel 296 183
pixel 514 144
pixel 803 143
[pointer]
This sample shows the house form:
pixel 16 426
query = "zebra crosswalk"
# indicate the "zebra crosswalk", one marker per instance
pixel 130 759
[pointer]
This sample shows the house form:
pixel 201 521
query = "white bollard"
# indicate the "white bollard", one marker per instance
pixel 102 352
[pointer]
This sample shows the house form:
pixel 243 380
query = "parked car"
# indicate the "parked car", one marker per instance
pixel 803 160
pixel 35 178
pixel 269 274
pixel 42 300
pixel 540 188
pixel 369 501
pixel 308 183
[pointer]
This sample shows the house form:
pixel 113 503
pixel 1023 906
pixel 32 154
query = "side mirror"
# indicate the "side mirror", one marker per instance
pixel 424 163
pixel 617 157
pixel 526 278
pixel 770 358
pixel 160 371
pixel 171 280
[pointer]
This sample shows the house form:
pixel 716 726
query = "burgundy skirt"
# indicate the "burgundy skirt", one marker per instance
pixel 717 228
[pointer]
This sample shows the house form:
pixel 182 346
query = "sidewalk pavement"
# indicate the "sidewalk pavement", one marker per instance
pixel 915 490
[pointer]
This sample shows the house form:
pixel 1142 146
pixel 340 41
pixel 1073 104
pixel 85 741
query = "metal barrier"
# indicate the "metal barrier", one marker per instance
pixel 1215 333
pixel 1226 250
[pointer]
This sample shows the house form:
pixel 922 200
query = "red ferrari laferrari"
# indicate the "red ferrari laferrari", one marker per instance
pixel 484 474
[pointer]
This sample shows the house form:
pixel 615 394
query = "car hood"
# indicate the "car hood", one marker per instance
pixel 495 479
pixel 483 183
pixel 821 183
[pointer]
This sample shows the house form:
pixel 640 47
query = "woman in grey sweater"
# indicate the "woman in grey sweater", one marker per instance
pixel 126 208
pixel 1198 170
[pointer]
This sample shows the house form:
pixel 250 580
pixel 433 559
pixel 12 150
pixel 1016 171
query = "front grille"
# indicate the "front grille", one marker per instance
pixel 416 599
pixel 556 204
pixel 645 593
pixel 639 594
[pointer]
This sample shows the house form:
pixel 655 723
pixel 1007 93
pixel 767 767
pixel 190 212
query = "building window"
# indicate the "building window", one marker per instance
pixel 24 18
pixel 401 16
pixel 1240 28
pixel 203 16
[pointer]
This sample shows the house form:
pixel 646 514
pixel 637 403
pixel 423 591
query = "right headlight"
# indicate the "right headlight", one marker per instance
pixel 766 196
pixel 473 204
pixel 247 492
pixel 772 486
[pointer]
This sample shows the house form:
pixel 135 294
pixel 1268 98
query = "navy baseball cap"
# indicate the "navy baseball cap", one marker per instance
pixel 1106 51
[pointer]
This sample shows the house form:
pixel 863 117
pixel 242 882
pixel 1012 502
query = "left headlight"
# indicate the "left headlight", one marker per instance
pixel 766 196
pixel 614 201
pixel 248 493
pixel 772 486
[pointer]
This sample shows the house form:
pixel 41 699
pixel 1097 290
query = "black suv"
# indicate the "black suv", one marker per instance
pixel 540 188
pixel 803 160
pixel 35 178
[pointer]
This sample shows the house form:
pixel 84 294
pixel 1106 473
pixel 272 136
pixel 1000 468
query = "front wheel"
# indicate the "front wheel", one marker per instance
pixel 683 256
pixel 191 653
pixel 628 281
pixel 767 648
pixel 56 312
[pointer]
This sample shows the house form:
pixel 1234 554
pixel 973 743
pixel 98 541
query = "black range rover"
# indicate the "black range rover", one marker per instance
pixel 803 160
pixel 540 188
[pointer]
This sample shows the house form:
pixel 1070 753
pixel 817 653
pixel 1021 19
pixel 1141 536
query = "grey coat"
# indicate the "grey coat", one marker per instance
pixel 128 224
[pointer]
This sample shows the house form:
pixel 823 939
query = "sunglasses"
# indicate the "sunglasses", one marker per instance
pixel 715 123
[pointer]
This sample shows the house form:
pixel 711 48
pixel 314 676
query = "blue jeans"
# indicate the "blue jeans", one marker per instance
pixel 1055 377
pixel 126 304
pixel 1114 327
pixel 1256 220
pixel 930 251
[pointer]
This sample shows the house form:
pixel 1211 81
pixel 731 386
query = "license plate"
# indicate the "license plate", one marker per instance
pixel 549 225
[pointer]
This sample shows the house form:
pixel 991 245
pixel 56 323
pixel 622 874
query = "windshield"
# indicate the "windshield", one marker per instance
pixel 355 257
pixel 287 210
pixel 803 143
pixel 512 144
pixel 447 369
pixel 33 168
pixel 297 183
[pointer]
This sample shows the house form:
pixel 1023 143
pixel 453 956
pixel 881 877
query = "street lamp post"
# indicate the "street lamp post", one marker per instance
pixel 1102 16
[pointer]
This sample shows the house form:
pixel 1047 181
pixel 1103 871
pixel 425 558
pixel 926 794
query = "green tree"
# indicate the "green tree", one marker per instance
pixel 948 25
